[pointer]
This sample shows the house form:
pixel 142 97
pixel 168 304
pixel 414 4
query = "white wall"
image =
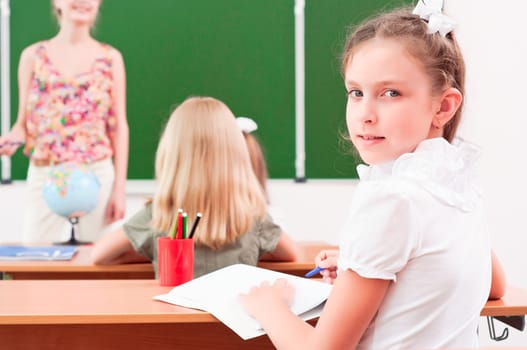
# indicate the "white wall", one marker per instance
pixel 492 36
pixel 493 40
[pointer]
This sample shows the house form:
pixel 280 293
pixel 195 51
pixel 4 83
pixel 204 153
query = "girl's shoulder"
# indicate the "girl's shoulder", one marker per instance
pixel 265 228
pixel 387 187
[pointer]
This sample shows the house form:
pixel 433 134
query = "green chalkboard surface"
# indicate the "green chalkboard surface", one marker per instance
pixel 240 51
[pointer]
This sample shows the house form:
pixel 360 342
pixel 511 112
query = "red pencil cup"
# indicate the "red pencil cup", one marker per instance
pixel 175 260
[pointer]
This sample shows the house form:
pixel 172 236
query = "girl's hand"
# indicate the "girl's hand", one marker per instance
pixel 10 142
pixel 267 297
pixel 328 260
pixel 116 207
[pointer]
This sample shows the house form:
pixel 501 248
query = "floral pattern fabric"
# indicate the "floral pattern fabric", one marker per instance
pixel 70 119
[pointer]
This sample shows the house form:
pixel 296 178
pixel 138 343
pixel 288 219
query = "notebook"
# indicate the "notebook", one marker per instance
pixel 218 292
pixel 18 252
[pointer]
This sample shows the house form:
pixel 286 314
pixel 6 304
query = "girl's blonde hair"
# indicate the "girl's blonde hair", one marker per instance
pixel 440 56
pixel 202 165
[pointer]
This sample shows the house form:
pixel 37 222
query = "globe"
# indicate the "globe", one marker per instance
pixel 72 190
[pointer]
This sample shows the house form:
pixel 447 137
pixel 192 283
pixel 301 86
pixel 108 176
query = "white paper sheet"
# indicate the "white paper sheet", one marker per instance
pixel 218 293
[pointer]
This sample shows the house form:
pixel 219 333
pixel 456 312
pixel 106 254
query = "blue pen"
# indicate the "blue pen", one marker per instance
pixel 314 271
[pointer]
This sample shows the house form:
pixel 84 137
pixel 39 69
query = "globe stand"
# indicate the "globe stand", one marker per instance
pixel 72 241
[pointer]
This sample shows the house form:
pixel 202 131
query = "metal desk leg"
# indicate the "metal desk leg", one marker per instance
pixel 517 322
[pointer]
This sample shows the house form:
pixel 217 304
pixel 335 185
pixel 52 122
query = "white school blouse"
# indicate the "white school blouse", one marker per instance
pixel 419 222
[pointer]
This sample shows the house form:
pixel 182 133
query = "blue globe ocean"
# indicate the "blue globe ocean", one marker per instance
pixel 71 190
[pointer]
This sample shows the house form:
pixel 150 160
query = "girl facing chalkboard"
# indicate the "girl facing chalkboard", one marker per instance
pixel 202 165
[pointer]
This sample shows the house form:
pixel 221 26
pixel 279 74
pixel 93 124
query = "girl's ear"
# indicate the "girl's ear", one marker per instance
pixel 448 105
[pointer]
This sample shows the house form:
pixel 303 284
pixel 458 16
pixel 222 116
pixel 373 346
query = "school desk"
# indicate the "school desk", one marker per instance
pixel 121 314
pixel 511 310
pixel 106 314
pixel 80 266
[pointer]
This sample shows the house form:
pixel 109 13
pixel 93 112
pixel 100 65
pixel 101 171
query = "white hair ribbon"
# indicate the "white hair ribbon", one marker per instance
pixel 430 10
pixel 246 124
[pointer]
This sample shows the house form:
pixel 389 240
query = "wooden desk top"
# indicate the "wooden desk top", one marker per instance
pixel 107 314
pixel 514 303
pixel 121 315
pixel 306 258
pixel 130 301
pixel 90 302
pixel 79 263
pixel 80 266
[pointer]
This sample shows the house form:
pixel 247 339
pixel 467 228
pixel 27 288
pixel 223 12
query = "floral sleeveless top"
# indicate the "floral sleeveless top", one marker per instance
pixel 70 119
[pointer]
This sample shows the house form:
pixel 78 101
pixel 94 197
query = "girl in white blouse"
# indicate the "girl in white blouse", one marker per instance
pixel 415 262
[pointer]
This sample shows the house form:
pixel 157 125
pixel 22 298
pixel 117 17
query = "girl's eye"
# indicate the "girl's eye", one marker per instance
pixel 391 93
pixel 355 93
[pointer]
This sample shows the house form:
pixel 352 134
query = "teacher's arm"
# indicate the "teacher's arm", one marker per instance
pixel 17 135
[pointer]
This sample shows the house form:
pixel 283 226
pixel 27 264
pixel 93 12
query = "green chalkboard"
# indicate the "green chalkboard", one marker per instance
pixel 240 51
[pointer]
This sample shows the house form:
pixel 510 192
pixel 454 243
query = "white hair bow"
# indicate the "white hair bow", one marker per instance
pixel 430 10
pixel 246 124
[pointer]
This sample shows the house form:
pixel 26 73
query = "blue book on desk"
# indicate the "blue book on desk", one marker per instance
pixel 18 252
